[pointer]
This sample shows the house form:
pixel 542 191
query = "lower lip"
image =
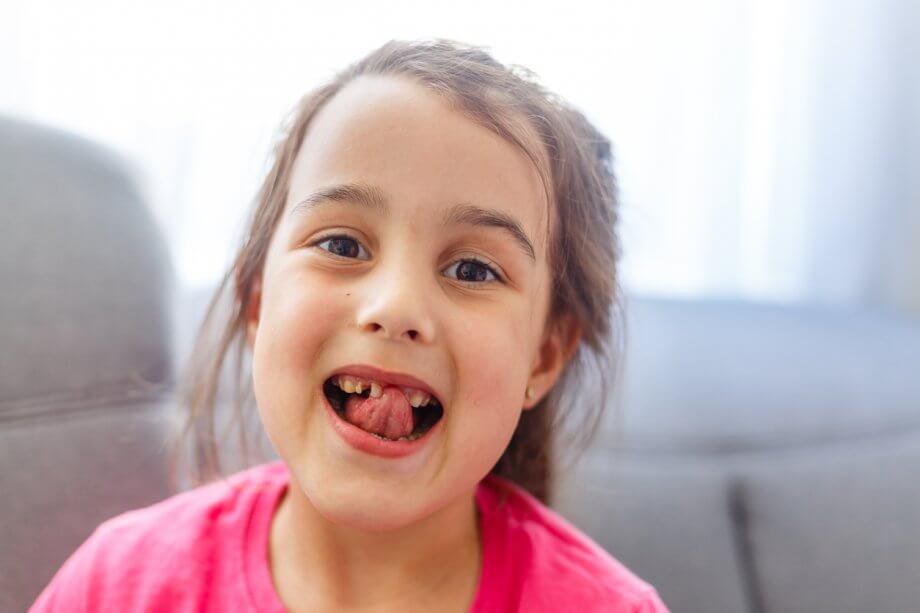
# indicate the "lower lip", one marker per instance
pixel 368 443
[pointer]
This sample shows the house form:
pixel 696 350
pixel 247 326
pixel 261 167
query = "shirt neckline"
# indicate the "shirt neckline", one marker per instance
pixel 257 574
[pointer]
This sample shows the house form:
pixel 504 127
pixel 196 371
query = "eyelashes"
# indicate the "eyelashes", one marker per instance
pixel 346 247
pixel 472 264
pixel 338 240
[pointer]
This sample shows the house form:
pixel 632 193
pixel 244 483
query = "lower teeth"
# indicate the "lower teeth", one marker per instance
pixel 411 437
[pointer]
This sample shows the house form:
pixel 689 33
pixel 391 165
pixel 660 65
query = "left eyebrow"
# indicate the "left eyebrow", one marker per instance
pixel 472 215
pixel 371 198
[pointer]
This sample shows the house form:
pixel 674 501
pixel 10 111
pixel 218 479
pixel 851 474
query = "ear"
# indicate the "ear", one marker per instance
pixel 555 352
pixel 253 311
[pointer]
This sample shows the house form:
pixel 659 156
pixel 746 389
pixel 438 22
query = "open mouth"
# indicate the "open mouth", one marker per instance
pixel 424 417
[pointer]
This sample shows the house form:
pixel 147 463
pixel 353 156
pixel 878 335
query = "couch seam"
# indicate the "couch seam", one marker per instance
pixel 739 514
pixel 49 407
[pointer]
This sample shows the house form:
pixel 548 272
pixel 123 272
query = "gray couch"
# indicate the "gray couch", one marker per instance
pixel 768 459
pixel 760 459
pixel 85 361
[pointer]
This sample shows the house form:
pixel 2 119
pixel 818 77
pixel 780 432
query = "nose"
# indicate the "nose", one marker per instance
pixel 395 303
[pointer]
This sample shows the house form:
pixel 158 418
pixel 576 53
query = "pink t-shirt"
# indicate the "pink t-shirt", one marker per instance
pixel 207 550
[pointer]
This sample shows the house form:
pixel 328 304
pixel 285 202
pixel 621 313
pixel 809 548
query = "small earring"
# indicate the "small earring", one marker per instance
pixel 529 393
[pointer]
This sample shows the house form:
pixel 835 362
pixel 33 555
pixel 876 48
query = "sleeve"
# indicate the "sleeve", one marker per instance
pixel 71 587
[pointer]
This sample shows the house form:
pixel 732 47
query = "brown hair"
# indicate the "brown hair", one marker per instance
pixel 575 165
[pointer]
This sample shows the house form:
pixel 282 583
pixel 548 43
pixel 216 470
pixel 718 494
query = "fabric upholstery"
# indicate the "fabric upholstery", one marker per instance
pixel 836 529
pixel 763 458
pixel 723 376
pixel 667 519
pixel 85 358
pixel 86 276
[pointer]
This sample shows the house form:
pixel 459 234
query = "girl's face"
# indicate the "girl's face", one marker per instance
pixel 392 285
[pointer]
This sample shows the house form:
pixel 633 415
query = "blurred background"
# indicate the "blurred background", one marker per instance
pixel 764 149
pixel 761 449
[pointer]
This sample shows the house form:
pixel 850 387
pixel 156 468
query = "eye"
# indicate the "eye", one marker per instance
pixel 341 245
pixel 469 270
pixel 474 271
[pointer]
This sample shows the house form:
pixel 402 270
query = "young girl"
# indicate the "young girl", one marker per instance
pixel 431 260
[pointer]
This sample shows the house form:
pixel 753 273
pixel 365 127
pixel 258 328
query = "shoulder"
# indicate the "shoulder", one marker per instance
pixel 562 568
pixel 187 524
pixel 142 552
pixel 208 509
pixel 195 517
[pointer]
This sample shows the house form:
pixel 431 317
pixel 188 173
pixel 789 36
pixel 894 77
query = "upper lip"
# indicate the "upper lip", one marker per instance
pixel 366 371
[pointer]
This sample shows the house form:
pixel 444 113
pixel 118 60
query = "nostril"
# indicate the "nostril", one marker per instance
pixel 376 327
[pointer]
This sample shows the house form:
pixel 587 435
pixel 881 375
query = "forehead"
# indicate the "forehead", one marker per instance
pixel 404 140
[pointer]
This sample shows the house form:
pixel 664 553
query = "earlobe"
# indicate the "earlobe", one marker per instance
pixel 555 352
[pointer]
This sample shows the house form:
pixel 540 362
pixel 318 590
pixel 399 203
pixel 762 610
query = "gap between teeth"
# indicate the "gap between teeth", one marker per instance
pixel 353 385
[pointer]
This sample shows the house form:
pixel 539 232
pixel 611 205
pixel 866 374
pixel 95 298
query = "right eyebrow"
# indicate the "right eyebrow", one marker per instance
pixel 372 198
pixel 346 193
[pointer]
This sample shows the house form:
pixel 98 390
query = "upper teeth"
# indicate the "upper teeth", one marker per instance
pixel 355 385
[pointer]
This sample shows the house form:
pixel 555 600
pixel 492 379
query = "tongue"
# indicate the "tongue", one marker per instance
pixel 389 416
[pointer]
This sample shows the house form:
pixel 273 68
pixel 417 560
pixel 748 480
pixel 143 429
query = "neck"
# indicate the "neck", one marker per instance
pixel 337 567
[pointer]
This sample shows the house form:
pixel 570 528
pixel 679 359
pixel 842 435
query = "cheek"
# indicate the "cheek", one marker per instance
pixel 296 318
pixel 493 363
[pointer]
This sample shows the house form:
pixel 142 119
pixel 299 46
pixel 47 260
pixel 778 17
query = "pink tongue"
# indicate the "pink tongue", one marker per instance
pixel 389 416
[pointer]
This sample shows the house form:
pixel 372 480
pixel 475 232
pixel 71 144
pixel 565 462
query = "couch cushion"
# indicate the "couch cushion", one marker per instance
pixel 87 280
pixel 65 474
pixel 667 519
pixel 837 529
pixel 724 376
pixel 85 360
